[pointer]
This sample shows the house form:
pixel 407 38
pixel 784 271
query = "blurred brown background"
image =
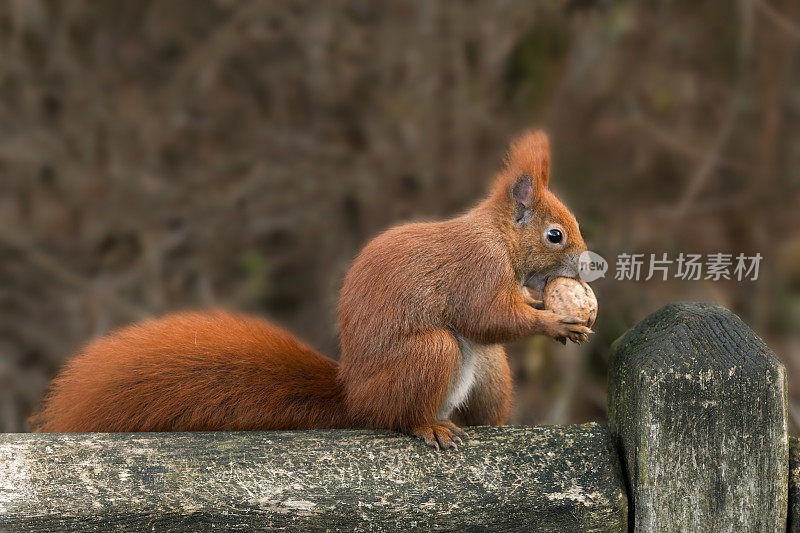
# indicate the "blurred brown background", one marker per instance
pixel 163 155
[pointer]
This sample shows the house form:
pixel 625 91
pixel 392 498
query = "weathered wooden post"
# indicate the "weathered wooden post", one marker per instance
pixel 697 407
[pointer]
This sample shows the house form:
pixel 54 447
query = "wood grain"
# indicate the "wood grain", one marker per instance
pixel 559 478
pixel 697 406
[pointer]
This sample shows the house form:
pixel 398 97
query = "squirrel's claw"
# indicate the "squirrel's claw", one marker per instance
pixel 580 336
pixel 455 429
pixel 441 435
pixel 562 327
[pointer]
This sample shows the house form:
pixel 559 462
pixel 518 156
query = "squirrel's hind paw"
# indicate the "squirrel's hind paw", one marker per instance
pixel 441 435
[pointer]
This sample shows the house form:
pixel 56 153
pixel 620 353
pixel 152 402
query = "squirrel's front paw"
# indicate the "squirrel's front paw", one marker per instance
pixel 562 327
pixel 442 434
pixel 532 299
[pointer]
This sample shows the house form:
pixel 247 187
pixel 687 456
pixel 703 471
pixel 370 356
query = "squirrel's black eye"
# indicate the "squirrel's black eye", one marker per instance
pixel 555 236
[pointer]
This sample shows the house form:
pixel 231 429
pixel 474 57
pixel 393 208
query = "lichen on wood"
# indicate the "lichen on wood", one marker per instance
pixel 559 478
pixel 697 407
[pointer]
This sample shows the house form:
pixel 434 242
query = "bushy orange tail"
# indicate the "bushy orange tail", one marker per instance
pixel 195 372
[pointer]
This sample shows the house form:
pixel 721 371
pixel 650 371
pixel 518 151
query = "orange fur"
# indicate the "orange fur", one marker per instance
pixel 420 313
pixel 412 286
pixel 192 371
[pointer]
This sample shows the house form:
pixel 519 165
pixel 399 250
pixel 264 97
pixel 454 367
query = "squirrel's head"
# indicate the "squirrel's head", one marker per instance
pixel 545 238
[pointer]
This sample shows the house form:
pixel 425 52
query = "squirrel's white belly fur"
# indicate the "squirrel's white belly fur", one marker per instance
pixel 473 365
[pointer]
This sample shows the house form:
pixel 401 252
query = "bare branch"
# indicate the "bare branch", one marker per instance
pixel 777 18
pixel 706 166
pixel 49 265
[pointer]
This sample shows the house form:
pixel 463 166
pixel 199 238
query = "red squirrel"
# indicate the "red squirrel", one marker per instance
pixel 422 314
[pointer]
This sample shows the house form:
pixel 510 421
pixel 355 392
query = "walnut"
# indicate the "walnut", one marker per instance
pixel 571 297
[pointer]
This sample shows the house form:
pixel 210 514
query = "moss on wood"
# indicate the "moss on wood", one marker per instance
pixel 697 406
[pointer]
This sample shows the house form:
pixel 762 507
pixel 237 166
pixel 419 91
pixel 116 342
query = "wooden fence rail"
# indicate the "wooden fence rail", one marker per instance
pixel 507 479
pixel 697 441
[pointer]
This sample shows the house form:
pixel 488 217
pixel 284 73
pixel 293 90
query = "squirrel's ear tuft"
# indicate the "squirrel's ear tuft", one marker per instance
pixel 525 175
pixel 530 154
